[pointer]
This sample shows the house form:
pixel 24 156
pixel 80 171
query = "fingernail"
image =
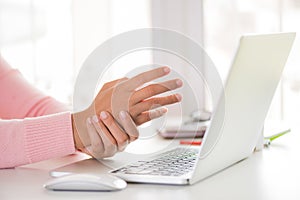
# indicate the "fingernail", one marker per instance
pixel 103 115
pixel 179 82
pixel 95 118
pixel 178 96
pixel 167 69
pixel 122 115
pixel 163 110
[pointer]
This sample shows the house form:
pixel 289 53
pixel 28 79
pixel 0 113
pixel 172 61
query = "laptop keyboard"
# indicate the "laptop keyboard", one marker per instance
pixel 175 162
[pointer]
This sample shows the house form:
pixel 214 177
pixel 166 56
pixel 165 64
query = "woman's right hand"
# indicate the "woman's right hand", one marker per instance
pixel 124 99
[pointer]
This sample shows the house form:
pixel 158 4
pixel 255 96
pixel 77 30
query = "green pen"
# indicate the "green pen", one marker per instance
pixel 269 139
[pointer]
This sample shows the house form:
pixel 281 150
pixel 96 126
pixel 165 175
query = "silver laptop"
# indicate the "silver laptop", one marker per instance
pixel 236 124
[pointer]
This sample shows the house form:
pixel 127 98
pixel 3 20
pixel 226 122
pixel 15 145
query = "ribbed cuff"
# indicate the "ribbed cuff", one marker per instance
pixel 48 137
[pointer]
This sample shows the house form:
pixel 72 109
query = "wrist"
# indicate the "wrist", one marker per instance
pixel 77 142
pixel 80 134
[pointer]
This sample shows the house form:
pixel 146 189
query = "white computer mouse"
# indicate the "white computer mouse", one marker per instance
pixel 86 182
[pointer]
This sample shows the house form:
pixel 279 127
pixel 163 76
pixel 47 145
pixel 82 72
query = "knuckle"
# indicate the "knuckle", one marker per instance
pixel 96 154
pixel 123 140
pixel 142 119
pixel 106 84
pixel 111 150
pixel 134 132
pixel 139 79
pixel 137 121
pixel 133 138
pixel 122 79
pixel 97 147
pixel 119 86
pixel 155 102
pixel 133 112
pixel 153 114
pixel 151 89
pixel 112 143
pixel 174 98
pixel 122 148
pixel 165 87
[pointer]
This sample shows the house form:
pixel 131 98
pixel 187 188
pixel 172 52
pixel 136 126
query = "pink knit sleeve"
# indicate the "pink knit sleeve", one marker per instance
pixel 35 139
pixel 29 131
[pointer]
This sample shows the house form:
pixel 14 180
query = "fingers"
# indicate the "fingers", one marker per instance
pixel 153 103
pixel 145 77
pixel 129 125
pixel 119 135
pixel 155 89
pixel 97 146
pixel 150 115
pixel 109 142
pixel 106 136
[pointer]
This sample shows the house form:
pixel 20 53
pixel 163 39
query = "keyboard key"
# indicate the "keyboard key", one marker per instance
pixel 173 163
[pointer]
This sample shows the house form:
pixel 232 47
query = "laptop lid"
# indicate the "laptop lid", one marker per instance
pixel 242 109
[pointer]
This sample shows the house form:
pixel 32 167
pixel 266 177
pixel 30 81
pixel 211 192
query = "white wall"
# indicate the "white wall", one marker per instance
pixel 185 17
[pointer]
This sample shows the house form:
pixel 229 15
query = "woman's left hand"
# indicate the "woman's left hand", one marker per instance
pixel 106 136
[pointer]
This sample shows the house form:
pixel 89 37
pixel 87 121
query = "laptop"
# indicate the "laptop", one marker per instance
pixel 237 121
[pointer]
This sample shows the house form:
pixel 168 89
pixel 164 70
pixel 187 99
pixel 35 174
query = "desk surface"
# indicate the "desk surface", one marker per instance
pixel 273 173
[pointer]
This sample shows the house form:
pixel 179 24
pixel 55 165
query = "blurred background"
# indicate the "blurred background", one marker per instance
pixel 48 40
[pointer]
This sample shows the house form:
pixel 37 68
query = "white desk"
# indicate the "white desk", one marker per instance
pixel 273 173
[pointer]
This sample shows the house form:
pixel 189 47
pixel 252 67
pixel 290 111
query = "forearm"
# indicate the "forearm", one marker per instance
pixel 35 139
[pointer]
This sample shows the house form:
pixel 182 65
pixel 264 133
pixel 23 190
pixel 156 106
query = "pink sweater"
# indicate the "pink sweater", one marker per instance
pixel 29 129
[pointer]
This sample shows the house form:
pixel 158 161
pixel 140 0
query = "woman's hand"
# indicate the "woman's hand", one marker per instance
pixel 121 97
pixel 106 136
pixel 124 95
